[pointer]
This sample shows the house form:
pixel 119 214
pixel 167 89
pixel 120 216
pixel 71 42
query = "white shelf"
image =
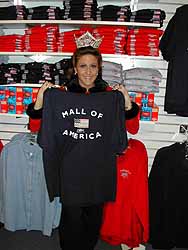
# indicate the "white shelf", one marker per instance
pixel 68 54
pixel 22 85
pixel 14 115
pixel 80 22
pixel 150 124
pixel 35 53
pixel 144 127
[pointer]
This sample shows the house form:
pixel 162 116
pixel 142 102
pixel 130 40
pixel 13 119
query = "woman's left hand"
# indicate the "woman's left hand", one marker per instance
pixel 123 90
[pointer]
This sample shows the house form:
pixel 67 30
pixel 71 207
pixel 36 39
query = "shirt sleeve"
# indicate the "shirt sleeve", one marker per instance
pixel 133 112
pixel 132 119
pixel 33 113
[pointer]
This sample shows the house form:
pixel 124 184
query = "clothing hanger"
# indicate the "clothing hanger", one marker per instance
pixel 184 130
pixel 182 138
pixel 33 137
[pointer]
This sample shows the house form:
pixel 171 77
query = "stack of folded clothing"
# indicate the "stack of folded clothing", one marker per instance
pixel 38 73
pixel 41 38
pixel 44 13
pixel 66 40
pixel 114 39
pixel 113 13
pixel 80 9
pixel 143 42
pixel 112 72
pixel 10 73
pixel 65 70
pixel 142 79
pixel 3 59
pixel 148 16
pixel 16 12
pixel 12 43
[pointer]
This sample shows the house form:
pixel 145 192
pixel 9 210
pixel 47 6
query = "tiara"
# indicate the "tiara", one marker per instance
pixel 87 40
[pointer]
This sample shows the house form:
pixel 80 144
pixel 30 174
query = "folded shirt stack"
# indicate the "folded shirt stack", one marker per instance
pixel 143 41
pixel 10 73
pixel 11 43
pixel 113 39
pixel 41 38
pixel 3 59
pixel 36 73
pixel 156 16
pixel 112 72
pixel 66 40
pixel 65 70
pixel 16 12
pixel 142 79
pixel 83 10
pixel 44 13
pixel 80 9
pixel 113 13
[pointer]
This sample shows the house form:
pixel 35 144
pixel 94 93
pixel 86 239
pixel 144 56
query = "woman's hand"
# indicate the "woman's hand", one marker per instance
pixel 122 89
pixel 40 95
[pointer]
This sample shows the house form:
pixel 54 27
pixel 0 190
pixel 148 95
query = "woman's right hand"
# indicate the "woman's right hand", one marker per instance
pixel 40 95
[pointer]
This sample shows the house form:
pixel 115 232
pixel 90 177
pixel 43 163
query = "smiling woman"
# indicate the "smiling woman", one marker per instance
pixel 87 65
pixel 81 220
pixel 87 70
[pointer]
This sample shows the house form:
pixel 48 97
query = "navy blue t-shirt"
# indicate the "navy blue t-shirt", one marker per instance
pixel 81 136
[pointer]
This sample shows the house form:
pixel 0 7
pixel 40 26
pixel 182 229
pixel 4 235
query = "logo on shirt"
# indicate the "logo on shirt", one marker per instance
pixel 81 111
pixel 125 173
pixel 81 124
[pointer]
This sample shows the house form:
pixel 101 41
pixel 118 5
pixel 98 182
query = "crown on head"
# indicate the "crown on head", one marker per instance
pixel 87 40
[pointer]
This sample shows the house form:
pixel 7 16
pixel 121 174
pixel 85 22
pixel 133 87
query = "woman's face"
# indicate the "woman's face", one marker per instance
pixel 87 69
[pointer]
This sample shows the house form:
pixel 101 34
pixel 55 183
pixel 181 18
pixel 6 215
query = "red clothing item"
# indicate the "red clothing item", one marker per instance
pixel 1 146
pixel 34 125
pixel 126 221
pixel 146 31
pixel 132 125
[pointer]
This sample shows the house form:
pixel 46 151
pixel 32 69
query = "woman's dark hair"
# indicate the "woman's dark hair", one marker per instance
pixel 85 51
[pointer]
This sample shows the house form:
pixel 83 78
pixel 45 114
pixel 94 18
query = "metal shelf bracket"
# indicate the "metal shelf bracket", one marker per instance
pixel 134 5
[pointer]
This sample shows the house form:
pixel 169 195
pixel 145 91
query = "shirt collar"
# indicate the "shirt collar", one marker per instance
pixel 100 85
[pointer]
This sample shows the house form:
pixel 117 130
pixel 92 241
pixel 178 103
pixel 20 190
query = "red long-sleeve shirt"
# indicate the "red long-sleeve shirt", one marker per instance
pixel 126 221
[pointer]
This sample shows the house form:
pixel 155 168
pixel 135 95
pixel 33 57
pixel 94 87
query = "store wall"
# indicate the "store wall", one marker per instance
pixel 166 130
pixel 154 135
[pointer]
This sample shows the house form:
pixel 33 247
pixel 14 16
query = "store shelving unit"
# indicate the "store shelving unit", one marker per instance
pixel 79 22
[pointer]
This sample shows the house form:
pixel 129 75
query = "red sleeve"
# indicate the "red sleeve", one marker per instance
pixel 34 125
pixel 132 125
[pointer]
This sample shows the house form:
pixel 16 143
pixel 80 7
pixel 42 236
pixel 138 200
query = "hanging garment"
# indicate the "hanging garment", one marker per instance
pixel 125 221
pixel 24 200
pixel 173 46
pixel 168 192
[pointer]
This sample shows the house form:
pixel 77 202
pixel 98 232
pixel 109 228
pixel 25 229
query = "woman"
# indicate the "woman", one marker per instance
pixel 79 226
